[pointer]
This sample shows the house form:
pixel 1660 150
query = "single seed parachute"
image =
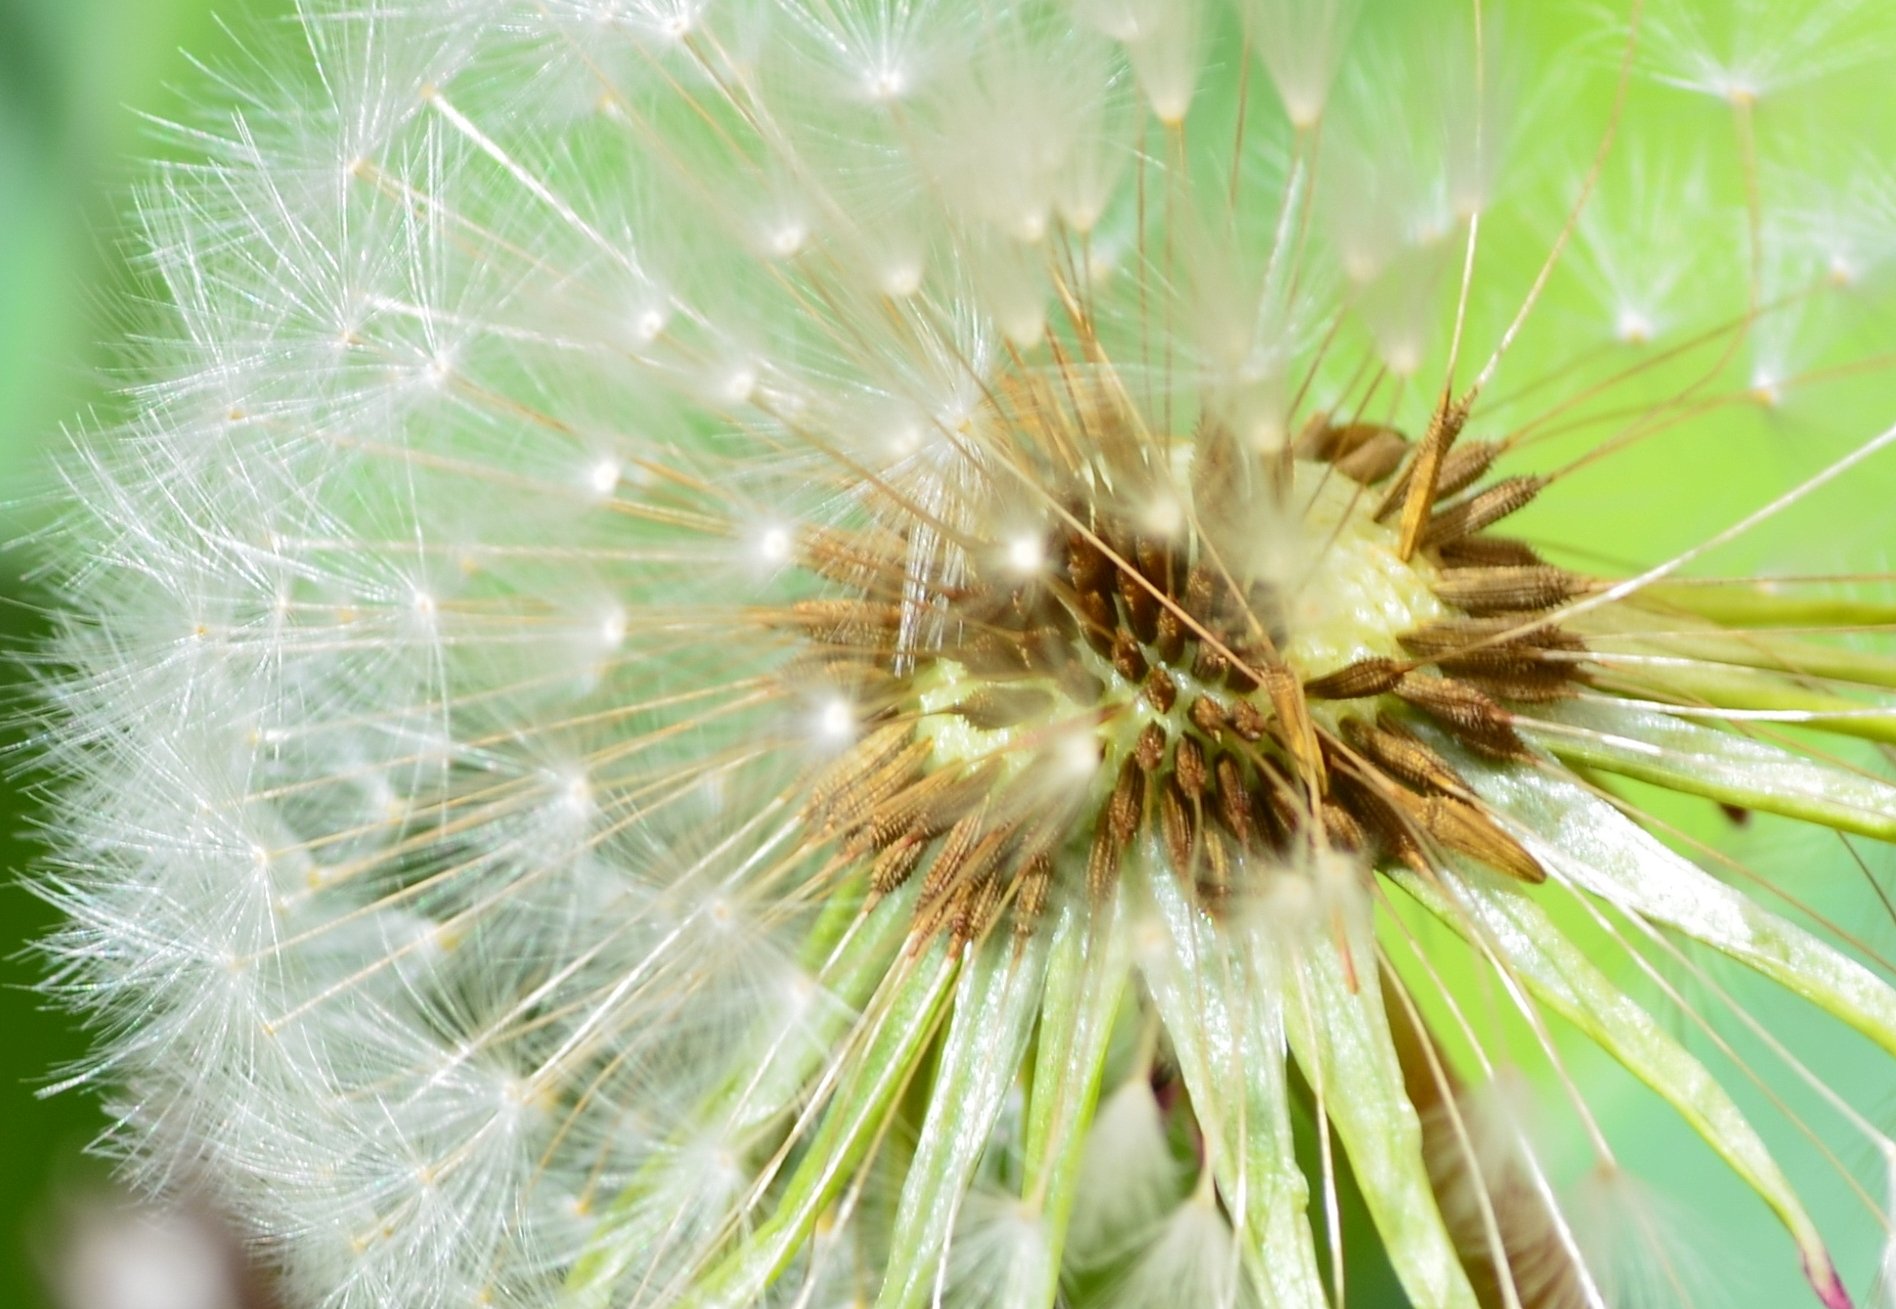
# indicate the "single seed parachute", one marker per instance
pixel 844 652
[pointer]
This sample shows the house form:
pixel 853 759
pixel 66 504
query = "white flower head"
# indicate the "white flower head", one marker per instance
pixel 753 652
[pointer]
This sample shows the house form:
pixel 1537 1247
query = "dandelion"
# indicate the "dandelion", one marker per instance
pixel 842 652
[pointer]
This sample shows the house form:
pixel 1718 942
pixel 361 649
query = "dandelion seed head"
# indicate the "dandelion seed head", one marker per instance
pixel 776 652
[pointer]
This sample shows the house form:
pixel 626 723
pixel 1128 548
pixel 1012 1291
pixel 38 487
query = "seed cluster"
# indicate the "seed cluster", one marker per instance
pixel 1140 663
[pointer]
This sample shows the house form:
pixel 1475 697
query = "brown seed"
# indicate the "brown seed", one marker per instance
pixel 1248 721
pixel 930 806
pixel 1468 829
pixel 1509 589
pixel 868 790
pixel 1377 805
pixel 1341 829
pixel 1129 660
pixel 976 910
pixel 1483 509
pixel 862 757
pixel 1293 721
pixel 1079 685
pixel 993 708
pixel 1234 802
pixel 1424 473
pixel 1452 638
pixel 1316 437
pixel 1102 864
pixel 1215 886
pixel 1465 465
pixel 1238 677
pixel 1126 806
pixel 1376 458
pixel 1155 561
pixel 1373 676
pixel 1142 607
pixel 894 865
pixel 1487 552
pixel 1401 753
pixel 1188 765
pixel 1172 633
pixel 957 848
pixel 1099 622
pixel 1469 713
pixel 1208 716
pixel 1179 828
pixel 1161 691
pixel 1209 666
pixel 1087 565
pixel 1530 683
pixel 1149 751
pixel 995 653
pixel 1036 883
pixel 1201 590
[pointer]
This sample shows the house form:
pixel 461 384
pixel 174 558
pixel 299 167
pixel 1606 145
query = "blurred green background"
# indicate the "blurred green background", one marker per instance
pixel 74 77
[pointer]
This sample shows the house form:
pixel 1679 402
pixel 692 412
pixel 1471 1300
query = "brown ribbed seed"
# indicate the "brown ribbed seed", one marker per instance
pixel 1400 753
pixel 1079 685
pixel 1470 714
pixel 1376 458
pixel 1188 766
pixel 1117 826
pixel 1467 829
pixel 1088 565
pixel 1161 691
pixel 1036 883
pixel 1465 465
pixel 1209 666
pixel 1509 589
pixel 1170 643
pixel 1179 828
pixel 1293 722
pixel 1483 509
pixel 862 758
pixel 956 850
pixel 1487 552
pixel 1201 589
pixel 869 790
pixel 895 865
pixel 1099 622
pixel 1234 802
pixel 1142 607
pixel 995 707
pixel 1452 638
pixel 1129 660
pixel 1208 716
pixel 1372 676
pixel 1149 751
pixel 1248 721
pixel 1341 829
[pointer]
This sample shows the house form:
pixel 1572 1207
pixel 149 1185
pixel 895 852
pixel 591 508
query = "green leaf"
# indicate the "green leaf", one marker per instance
pixel 1586 842
pixel 1086 981
pixel 851 953
pixel 994 1010
pixel 899 1026
pixel 1683 756
pixel 1765 603
pixel 1511 923
pixel 1225 1020
pixel 1340 1035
